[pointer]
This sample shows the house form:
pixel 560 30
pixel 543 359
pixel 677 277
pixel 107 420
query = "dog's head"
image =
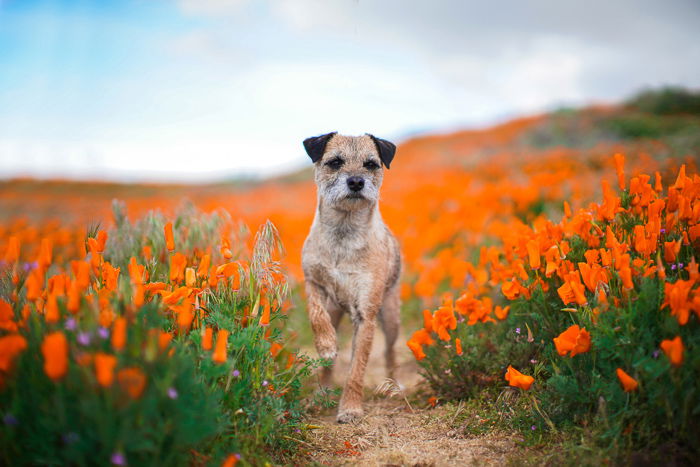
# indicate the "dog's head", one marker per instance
pixel 349 169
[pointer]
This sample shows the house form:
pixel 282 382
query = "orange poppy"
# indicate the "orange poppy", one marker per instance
pixel 10 346
pixel 458 346
pixel 628 383
pixel 219 355
pixel 517 379
pixel 55 351
pixel 132 380
pixel 169 240
pixel 12 251
pixel 207 338
pixel 673 348
pixel 178 262
pixel 265 316
pixel 275 349
pixel 574 340
pixel 104 368
pixel 119 333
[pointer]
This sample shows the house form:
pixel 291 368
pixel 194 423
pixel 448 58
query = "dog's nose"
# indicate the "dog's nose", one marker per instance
pixel 356 183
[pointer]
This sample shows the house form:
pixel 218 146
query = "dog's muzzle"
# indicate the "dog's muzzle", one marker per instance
pixel 356 183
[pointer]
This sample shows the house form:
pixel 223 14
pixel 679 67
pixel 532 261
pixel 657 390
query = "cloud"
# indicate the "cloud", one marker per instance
pixel 212 7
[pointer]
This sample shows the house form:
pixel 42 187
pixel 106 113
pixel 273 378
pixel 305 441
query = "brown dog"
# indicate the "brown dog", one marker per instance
pixel 351 260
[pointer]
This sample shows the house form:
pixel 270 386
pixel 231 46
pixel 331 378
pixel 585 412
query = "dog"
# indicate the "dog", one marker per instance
pixel 351 260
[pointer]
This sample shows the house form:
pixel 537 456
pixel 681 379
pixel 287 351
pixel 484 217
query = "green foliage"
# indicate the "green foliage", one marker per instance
pixel 189 409
pixel 487 349
pixel 666 101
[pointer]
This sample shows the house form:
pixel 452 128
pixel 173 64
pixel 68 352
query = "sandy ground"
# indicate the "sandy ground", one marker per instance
pixel 390 434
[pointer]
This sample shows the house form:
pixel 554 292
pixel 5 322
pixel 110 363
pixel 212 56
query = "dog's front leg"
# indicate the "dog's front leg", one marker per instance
pixel 350 407
pixel 324 332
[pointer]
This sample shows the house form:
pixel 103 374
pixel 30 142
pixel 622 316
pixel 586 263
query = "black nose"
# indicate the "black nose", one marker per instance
pixel 356 183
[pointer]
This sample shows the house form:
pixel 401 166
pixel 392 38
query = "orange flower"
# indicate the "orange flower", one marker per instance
pixel 51 311
pixel 501 312
pixel 132 381
pixel 12 251
pixel 10 346
pixel 458 346
pixel 119 333
pixel 572 291
pixel 629 384
pixel 178 261
pixel 427 320
pixel 7 317
pixel 575 340
pixel 265 316
pixel 230 461
pixel 190 277
pixel 533 253
pixel 110 276
pixel 203 269
pixel 207 338
pixel 620 169
pixel 104 368
pixel 673 348
pixel 226 248
pixel 676 296
pixel 101 240
pixel 511 289
pixel 671 250
pixel 164 340
pixel 517 379
pixel 417 341
pixel 169 240
pixel 55 351
pixel 219 355
pixel 275 349
pixel 444 319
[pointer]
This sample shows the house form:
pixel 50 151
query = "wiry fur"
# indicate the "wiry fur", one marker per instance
pixel 351 262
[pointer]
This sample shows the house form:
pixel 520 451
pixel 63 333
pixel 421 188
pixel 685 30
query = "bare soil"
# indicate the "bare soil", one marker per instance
pixel 393 434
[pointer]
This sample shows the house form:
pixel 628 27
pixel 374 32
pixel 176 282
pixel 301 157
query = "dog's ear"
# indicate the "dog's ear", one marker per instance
pixel 316 145
pixel 386 149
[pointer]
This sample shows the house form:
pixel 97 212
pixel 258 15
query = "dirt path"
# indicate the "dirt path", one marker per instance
pixel 390 434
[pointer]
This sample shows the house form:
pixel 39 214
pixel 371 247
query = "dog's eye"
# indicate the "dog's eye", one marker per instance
pixel 371 165
pixel 335 164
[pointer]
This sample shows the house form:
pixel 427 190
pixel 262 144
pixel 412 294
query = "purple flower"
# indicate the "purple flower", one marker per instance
pixel 103 333
pixel 655 354
pixel 10 420
pixel 673 267
pixel 517 330
pixel 533 428
pixel 297 430
pixel 265 383
pixel 236 373
pixel 663 231
pixel 532 360
pixel 83 338
pixel 172 393
pixel 118 458
pixel 680 265
pixel 30 266
pixel 70 437
pixel 70 324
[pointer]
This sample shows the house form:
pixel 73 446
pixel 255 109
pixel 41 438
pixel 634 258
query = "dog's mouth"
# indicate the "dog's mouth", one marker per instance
pixel 354 196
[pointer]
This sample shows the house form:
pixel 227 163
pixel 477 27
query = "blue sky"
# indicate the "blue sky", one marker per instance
pixel 198 90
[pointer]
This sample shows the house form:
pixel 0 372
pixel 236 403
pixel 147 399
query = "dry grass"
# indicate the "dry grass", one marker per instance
pixel 394 433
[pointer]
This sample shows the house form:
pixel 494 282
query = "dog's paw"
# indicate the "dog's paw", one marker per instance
pixel 349 415
pixel 328 352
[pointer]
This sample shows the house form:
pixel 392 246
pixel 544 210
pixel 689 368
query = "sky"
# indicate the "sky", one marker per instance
pixel 206 90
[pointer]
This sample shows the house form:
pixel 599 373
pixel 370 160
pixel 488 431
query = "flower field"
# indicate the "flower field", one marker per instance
pixel 551 258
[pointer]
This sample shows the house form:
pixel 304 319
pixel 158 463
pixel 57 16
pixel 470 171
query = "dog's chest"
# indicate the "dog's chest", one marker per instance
pixel 340 266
